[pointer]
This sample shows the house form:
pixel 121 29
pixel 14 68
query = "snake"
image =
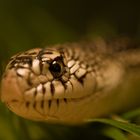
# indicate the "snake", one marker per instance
pixel 73 82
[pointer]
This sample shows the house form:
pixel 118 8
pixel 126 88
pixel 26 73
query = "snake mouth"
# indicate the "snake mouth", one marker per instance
pixel 49 117
pixel 43 101
pixel 46 110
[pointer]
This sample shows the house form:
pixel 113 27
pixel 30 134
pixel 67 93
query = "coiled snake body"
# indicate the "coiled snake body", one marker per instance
pixel 72 82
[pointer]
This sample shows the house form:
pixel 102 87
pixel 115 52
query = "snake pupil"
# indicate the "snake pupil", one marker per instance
pixel 55 69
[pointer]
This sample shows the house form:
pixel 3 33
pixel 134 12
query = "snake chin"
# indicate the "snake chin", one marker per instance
pixel 53 111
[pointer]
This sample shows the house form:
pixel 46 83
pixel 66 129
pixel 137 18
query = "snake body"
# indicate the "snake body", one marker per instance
pixel 72 82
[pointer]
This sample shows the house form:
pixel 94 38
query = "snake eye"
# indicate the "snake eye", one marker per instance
pixel 56 68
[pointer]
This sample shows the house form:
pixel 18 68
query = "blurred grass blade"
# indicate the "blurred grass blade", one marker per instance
pixel 114 133
pixel 131 114
pixel 129 127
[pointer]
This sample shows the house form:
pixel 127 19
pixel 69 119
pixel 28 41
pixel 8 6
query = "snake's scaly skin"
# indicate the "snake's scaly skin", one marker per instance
pixel 71 82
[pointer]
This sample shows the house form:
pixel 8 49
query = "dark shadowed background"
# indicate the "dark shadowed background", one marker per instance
pixel 26 24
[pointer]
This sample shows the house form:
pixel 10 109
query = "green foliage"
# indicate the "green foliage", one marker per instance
pixel 14 128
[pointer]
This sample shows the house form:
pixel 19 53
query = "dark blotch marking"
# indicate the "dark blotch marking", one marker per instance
pixel 28 60
pixel 81 79
pixel 32 53
pixel 13 62
pixel 71 84
pixel 42 104
pixel 21 59
pixel 39 57
pixel 57 102
pixel 25 59
pixel 43 89
pixel 15 100
pixel 40 65
pixel 29 82
pixel 48 52
pixel 35 93
pixel 63 83
pixel 41 52
pixel 11 67
pixel 58 58
pixel 65 100
pixel 12 58
pixel 34 105
pixel 49 103
pixel 52 89
pixel 22 67
pixel 27 104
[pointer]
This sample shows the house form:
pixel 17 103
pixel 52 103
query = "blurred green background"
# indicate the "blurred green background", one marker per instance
pixel 26 24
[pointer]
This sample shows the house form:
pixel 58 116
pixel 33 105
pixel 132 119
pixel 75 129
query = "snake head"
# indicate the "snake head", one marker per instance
pixel 32 80
pixel 58 84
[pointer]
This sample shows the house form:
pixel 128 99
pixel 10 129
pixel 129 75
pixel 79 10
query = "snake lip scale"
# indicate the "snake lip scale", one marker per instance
pixel 72 82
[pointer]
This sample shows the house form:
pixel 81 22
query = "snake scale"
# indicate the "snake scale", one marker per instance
pixel 73 82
